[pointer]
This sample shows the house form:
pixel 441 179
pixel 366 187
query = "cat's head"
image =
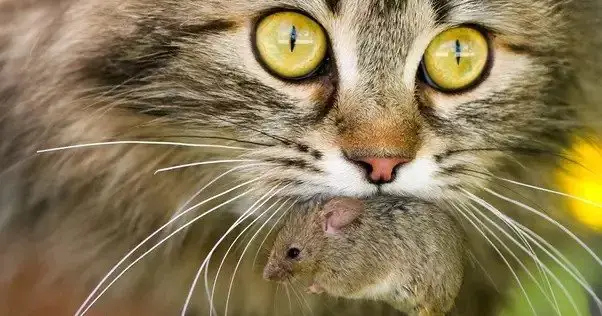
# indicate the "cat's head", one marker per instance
pixel 352 97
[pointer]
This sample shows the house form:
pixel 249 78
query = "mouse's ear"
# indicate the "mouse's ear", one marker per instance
pixel 340 212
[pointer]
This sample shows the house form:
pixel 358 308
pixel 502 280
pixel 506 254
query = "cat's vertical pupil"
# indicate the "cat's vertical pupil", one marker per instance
pixel 293 38
pixel 458 52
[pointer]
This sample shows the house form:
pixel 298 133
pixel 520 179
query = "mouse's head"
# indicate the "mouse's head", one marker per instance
pixel 300 245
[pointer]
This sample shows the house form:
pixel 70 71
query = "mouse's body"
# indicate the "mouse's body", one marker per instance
pixel 403 253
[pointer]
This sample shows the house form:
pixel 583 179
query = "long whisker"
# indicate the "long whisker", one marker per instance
pixel 159 244
pixel 552 221
pixel 520 235
pixel 211 294
pixel 201 190
pixel 202 163
pixel 551 191
pixel 205 262
pixel 136 142
pixel 576 276
pixel 131 252
pixel 247 247
pixel 209 137
pixel 271 229
pixel 515 150
pixel 219 269
pixel 530 253
pixel 482 267
pixel 547 244
pixel 501 256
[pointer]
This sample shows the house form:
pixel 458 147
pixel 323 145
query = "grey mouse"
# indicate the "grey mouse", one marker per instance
pixel 406 253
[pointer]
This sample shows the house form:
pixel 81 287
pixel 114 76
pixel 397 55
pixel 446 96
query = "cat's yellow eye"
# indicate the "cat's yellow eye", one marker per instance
pixel 456 58
pixel 290 44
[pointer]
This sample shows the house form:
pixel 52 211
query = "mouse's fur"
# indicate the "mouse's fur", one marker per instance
pixel 414 271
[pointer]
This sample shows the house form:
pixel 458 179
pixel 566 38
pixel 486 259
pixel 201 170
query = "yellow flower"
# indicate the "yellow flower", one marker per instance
pixel 583 179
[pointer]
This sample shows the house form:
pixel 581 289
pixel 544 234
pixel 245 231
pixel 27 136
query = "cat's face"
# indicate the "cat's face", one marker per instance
pixel 368 104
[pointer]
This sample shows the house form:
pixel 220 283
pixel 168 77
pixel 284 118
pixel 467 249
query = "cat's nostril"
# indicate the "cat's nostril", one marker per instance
pixel 381 170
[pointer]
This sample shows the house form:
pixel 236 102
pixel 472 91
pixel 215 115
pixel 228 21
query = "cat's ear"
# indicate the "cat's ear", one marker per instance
pixel 339 213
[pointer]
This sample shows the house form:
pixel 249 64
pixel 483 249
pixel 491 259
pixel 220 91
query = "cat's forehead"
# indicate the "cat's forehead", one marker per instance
pixel 380 41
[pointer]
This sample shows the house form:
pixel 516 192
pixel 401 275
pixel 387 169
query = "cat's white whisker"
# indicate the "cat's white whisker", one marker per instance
pixel 157 231
pixel 201 190
pixel 162 241
pixel 195 281
pixel 570 196
pixel 249 244
pixel 210 295
pixel 557 253
pixel 550 220
pixel 482 267
pixel 271 229
pixel 576 276
pixel 529 252
pixel 136 142
pixel 497 250
pixel 251 211
pixel 512 224
pixel 203 163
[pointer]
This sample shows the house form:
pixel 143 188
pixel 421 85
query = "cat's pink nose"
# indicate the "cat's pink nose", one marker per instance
pixel 381 170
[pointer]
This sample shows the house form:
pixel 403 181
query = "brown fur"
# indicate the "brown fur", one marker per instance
pixel 76 71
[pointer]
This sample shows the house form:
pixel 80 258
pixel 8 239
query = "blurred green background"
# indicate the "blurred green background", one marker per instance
pixel 590 269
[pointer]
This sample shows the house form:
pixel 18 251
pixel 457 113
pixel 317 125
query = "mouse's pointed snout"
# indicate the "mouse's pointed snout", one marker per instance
pixel 275 272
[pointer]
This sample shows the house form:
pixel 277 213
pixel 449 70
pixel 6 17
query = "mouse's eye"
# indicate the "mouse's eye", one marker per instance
pixel 293 253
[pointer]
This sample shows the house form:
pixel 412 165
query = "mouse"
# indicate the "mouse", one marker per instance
pixel 406 253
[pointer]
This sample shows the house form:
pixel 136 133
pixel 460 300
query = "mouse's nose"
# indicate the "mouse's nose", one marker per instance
pixel 275 273
pixel 380 170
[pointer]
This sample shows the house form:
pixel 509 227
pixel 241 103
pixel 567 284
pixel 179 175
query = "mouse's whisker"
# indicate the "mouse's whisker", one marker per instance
pixel 528 250
pixel 261 245
pixel 275 298
pixel 297 298
pixel 497 250
pixel 89 301
pixel 251 241
pixel 290 303
pixel 208 257
pixel 301 294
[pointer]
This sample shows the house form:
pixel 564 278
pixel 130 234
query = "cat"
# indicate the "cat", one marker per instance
pixel 150 79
